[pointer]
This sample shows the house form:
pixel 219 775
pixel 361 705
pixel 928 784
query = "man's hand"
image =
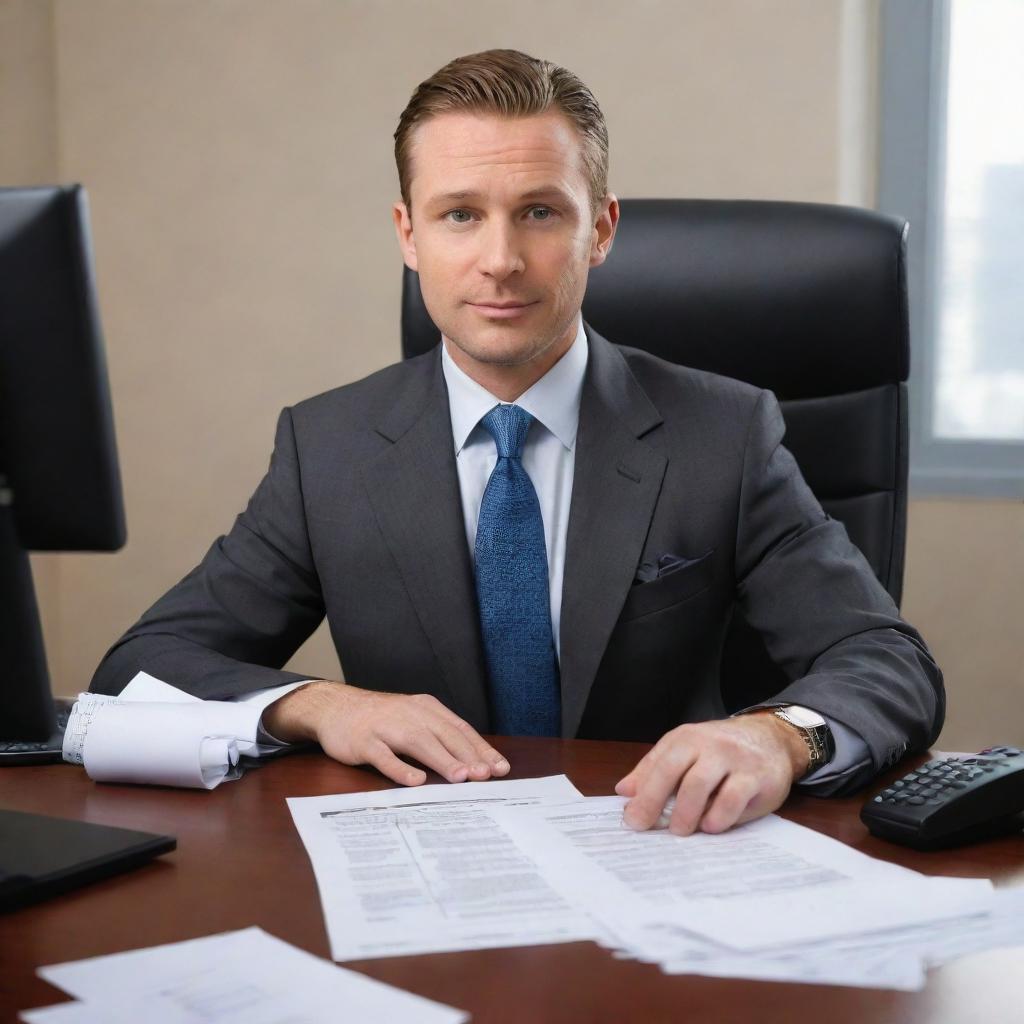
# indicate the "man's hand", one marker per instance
pixel 721 773
pixel 365 727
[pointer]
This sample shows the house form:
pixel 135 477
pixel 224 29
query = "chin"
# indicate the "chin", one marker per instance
pixel 502 355
pixel 498 349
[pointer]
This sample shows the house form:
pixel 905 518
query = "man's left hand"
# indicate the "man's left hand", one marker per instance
pixel 722 773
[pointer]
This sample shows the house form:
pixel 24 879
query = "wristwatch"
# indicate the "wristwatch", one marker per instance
pixel 815 731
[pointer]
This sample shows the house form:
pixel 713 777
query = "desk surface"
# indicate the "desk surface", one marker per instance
pixel 240 862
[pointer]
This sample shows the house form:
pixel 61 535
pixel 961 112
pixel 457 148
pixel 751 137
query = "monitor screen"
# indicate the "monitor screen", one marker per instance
pixel 60 489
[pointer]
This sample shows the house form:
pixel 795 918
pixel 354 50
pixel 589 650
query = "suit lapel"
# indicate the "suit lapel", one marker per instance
pixel 616 482
pixel 413 488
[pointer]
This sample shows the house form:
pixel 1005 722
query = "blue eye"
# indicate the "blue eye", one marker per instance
pixel 458 216
pixel 545 213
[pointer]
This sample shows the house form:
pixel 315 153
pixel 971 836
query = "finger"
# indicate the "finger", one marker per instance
pixel 729 803
pixel 468 745
pixel 656 786
pixel 694 793
pixel 462 748
pixel 627 785
pixel 425 746
pixel 483 752
pixel 381 756
pixel 766 799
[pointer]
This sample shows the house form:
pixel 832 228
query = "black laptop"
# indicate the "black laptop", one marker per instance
pixel 42 856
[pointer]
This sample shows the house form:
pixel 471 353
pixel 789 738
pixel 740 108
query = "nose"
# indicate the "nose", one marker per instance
pixel 500 255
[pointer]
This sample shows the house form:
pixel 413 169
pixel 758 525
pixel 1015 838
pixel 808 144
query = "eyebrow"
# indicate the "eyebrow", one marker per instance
pixel 544 192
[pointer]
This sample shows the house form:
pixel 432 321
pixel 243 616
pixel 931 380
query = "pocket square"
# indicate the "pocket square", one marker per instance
pixel 666 564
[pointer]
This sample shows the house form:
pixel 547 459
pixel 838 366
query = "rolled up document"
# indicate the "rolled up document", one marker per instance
pixel 195 745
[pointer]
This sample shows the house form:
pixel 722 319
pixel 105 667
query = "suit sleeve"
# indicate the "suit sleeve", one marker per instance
pixel 824 617
pixel 228 627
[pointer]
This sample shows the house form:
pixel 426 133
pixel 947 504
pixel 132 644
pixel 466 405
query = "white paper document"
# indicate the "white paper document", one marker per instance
pixel 893 958
pixel 769 883
pixel 512 863
pixel 428 870
pixel 243 977
pixel 154 733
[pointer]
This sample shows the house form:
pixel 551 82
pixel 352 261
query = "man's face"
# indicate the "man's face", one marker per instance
pixel 502 234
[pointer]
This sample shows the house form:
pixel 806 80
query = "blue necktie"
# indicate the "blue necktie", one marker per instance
pixel 512 588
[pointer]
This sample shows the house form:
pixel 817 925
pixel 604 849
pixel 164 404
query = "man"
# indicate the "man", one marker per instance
pixel 530 530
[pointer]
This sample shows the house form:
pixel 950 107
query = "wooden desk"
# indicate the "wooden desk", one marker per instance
pixel 239 862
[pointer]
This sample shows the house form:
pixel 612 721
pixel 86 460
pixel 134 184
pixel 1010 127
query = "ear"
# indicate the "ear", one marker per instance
pixel 604 230
pixel 403 228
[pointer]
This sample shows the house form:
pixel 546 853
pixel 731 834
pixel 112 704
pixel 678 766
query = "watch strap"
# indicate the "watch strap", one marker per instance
pixel 818 739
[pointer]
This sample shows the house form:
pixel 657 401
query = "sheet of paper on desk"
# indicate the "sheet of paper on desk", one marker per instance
pixel 426 870
pixel 872 963
pixel 662 897
pixel 154 733
pixel 937 944
pixel 894 958
pixel 766 884
pixel 243 977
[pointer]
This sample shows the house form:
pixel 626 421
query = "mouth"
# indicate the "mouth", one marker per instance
pixel 502 310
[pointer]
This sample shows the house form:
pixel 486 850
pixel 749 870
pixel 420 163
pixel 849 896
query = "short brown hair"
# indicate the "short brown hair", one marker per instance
pixel 510 84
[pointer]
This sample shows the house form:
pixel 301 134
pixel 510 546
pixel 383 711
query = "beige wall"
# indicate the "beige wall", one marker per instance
pixel 238 159
pixel 28 121
pixel 28 155
pixel 965 591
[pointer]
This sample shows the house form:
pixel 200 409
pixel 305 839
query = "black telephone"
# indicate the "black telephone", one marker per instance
pixel 952 801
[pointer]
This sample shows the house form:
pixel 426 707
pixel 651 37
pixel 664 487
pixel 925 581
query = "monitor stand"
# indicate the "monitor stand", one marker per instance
pixel 26 705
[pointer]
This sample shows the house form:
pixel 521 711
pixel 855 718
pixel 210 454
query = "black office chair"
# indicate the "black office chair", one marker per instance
pixel 808 300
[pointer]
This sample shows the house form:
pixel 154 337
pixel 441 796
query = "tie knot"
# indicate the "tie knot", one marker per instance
pixel 508 425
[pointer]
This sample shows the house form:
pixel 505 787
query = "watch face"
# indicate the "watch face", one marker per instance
pixel 803 717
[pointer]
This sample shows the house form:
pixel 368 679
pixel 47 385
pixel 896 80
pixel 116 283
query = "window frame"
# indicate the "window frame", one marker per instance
pixel 914 63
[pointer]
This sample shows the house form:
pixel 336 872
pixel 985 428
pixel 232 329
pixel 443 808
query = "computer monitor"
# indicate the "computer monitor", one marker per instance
pixel 60 489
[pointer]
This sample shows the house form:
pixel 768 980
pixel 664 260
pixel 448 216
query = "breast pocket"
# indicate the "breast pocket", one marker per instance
pixel 671 588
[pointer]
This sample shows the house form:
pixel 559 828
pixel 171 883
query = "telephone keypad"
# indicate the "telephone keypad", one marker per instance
pixel 921 808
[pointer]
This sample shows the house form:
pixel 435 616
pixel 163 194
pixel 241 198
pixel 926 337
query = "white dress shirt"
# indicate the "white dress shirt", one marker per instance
pixel 549 457
pixel 549 454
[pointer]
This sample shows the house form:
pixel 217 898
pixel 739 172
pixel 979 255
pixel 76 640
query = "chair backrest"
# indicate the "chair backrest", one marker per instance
pixel 808 300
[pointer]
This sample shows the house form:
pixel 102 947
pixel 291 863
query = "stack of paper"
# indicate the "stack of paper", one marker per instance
pixel 244 977
pixel 532 861
pixel 769 900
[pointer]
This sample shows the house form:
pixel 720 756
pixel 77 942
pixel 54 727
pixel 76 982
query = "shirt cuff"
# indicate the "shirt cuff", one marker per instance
pixel 260 700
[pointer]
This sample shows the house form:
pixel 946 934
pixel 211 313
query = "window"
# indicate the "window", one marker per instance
pixel 952 162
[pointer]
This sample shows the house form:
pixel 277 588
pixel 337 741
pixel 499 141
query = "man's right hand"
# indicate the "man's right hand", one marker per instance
pixel 366 727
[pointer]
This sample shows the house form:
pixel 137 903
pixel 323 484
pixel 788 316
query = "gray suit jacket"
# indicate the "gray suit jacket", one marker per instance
pixel 359 518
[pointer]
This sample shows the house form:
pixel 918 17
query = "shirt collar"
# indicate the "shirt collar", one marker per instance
pixel 554 400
